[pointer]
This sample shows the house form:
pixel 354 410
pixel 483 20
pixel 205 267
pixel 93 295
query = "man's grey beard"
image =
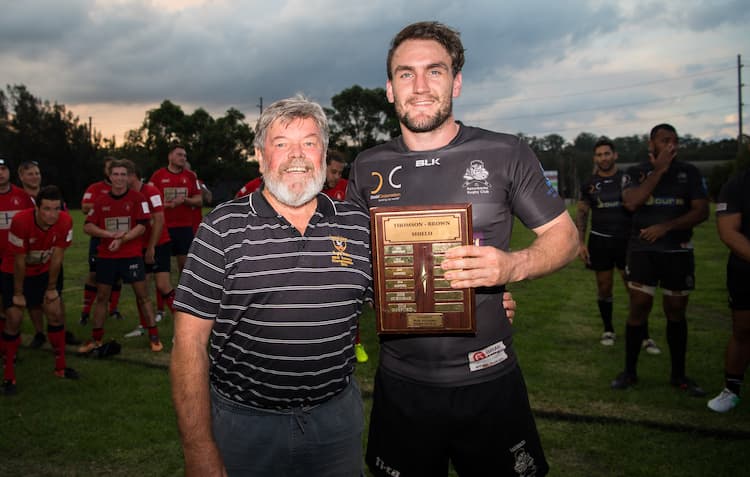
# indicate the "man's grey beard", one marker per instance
pixel 295 199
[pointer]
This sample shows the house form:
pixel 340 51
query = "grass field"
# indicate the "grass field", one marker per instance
pixel 118 419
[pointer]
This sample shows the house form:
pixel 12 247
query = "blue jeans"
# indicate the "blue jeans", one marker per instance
pixel 324 440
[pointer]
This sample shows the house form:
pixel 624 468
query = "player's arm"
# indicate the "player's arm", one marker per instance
pixel 190 394
pixel 19 274
pixel 195 200
pixel 156 227
pixel 635 196
pixel 555 245
pixel 582 219
pixel 55 264
pixel 730 232
pixel 94 230
pixel 698 213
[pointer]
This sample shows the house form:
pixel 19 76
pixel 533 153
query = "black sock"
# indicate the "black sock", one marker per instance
pixel 605 309
pixel 633 339
pixel 677 340
pixel 733 382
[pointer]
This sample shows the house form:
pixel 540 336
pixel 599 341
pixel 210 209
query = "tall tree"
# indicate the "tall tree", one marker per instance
pixel 361 118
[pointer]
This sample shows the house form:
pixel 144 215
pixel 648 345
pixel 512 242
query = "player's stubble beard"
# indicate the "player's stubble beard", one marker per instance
pixel 426 124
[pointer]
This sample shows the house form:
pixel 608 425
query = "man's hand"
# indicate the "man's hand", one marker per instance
pixel 583 253
pixel 510 306
pixel 471 266
pixel 51 295
pixel 654 232
pixel 664 159
pixel 115 244
pixel 19 301
pixel 149 256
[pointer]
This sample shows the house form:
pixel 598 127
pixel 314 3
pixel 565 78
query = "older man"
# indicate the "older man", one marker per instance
pixel 267 311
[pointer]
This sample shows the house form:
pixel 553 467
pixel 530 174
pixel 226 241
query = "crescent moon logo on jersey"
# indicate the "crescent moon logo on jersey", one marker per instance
pixel 379 176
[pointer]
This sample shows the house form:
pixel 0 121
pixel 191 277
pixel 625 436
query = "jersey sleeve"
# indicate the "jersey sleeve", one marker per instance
pixel 533 197
pixel 65 223
pixel 730 197
pixel 154 199
pixel 88 195
pixel 18 235
pixel 698 189
pixel 353 195
pixel 201 281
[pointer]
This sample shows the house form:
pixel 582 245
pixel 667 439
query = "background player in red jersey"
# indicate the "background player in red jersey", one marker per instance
pixel 335 185
pixel 250 187
pixel 181 192
pixel 156 251
pixel 119 219
pixel 90 195
pixel 31 263
pixel 12 200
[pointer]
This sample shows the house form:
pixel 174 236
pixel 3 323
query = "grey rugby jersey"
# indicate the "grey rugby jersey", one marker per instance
pixel 502 178
pixel 285 305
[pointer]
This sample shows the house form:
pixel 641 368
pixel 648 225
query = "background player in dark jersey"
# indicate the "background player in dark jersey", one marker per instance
pixel 733 223
pixel 610 230
pixel 668 198
pixel 473 383
pixel 31 263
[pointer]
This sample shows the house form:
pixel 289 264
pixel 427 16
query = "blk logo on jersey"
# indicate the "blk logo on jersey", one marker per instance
pixel 435 161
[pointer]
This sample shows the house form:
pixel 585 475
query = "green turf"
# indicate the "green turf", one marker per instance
pixel 118 419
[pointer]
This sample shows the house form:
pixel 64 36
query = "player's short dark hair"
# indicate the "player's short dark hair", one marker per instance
pixel 662 126
pixel 175 145
pixel 604 141
pixel 50 192
pixel 335 155
pixel 127 164
pixel 443 34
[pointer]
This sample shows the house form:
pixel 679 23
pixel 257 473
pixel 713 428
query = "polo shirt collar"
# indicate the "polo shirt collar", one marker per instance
pixel 325 207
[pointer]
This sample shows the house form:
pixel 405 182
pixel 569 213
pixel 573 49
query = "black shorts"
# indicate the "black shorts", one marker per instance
pixel 60 280
pixel 181 238
pixel 93 245
pixel 606 253
pixel 738 286
pixel 130 270
pixel 162 259
pixel 416 429
pixel 673 271
pixel 34 287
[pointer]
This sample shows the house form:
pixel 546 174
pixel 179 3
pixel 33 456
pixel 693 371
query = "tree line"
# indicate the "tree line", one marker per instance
pixel 221 149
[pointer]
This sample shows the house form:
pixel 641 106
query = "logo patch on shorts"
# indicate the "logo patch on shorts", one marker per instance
pixel 524 463
pixel 487 357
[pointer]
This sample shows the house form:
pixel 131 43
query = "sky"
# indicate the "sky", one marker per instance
pixel 535 67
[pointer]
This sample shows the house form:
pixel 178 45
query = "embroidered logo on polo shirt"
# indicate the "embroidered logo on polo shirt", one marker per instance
pixel 339 253
pixel 475 179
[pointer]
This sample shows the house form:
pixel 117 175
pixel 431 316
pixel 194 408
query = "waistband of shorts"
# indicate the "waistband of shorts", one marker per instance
pixel 489 290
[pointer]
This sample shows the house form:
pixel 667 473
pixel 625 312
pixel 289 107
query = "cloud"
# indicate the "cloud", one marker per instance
pixel 218 54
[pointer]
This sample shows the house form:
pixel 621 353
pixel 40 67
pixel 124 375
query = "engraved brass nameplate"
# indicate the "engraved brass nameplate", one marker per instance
pixel 408 246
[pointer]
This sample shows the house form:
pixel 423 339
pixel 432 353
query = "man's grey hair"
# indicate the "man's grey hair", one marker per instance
pixel 287 110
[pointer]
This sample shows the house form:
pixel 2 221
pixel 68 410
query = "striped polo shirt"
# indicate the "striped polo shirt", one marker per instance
pixel 285 306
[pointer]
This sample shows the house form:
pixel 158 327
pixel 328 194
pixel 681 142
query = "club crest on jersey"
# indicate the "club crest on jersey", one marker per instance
pixel 475 178
pixel 339 252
